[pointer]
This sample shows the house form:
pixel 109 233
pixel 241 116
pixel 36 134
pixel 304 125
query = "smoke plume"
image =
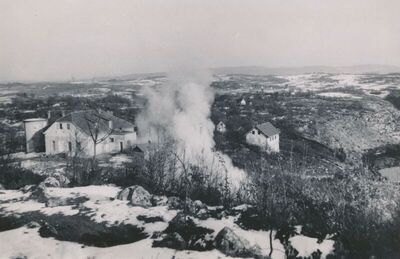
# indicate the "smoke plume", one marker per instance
pixel 180 110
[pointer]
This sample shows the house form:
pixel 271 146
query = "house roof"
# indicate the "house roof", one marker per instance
pixel 86 120
pixel 146 147
pixel 268 129
pixel 391 173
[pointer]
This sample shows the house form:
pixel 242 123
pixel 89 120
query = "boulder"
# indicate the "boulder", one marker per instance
pixel 203 214
pixel 171 240
pixel 50 182
pixel 202 243
pixel 48 230
pixel 229 243
pixel 199 205
pixel 124 194
pixel 197 209
pixel 180 221
pixel 196 237
pixel 33 224
pixel 62 179
pixel 136 195
pixel 28 188
pixel 40 193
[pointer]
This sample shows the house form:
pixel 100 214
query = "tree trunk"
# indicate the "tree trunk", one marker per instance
pixel 94 150
pixel 270 243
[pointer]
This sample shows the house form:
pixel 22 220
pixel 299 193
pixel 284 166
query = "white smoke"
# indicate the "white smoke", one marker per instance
pixel 180 109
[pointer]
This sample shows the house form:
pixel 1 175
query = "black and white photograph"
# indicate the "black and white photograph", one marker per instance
pixel 191 129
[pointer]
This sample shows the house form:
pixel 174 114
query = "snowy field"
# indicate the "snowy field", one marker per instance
pixel 101 207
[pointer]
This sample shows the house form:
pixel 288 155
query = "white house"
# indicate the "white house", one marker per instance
pixel 221 127
pixel 265 136
pixel 243 102
pixel 392 174
pixel 88 132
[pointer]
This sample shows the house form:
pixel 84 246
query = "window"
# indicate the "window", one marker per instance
pixel 61 126
pixel 68 126
pixel 69 146
pixel 54 145
pixel 112 139
pixel 253 132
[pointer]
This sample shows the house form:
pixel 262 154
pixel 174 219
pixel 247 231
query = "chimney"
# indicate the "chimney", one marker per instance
pixel 110 124
pixel 48 114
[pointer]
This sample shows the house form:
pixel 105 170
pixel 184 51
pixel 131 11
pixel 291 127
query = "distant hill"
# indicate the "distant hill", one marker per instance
pixel 259 70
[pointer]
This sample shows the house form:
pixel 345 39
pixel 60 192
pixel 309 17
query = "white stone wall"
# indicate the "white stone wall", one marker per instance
pixel 58 140
pixel 273 143
pixel 255 137
pixel 33 135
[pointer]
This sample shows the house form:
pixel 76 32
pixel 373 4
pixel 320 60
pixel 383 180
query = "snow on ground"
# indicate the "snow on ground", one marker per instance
pixel 43 166
pixel 102 207
pixel 260 238
pixel 304 82
pixel 25 241
pixel 307 245
pixel 23 155
pixel 339 95
pixel 5 99
pixel 14 202
pixel 120 159
pixel 315 82
pixel 93 192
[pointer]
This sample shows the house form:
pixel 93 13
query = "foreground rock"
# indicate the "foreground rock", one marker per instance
pixel 171 240
pixel 136 195
pixel 194 208
pixel 183 234
pixel 39 193
pixel 62 179
pixel 50 182
pixel 229 243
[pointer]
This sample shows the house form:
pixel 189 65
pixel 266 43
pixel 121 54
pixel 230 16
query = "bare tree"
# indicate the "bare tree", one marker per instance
pixel 98 134
pixel 76 161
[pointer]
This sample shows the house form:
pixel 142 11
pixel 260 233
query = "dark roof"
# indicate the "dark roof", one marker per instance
pixel 392 173
pixel 146 147
pixel 85 120
pixel 268 129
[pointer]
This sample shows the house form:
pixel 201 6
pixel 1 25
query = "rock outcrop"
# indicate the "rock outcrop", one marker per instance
pixel 171 240
pixel 50 182
pixel 229 243
pixel 136 195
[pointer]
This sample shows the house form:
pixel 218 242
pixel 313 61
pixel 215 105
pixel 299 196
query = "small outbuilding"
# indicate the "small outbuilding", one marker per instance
pixel 266 136
pixel 392 174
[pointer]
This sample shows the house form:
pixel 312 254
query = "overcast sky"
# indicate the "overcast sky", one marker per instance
pixel 48 39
